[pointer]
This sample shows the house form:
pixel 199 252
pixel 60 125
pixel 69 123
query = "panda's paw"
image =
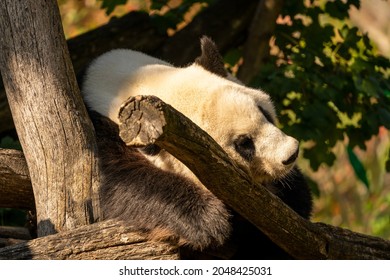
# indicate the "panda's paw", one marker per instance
pixel 209 226
pixel 162 234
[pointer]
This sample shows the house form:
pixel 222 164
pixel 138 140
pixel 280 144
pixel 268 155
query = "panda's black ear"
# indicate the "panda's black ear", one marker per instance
pixel 211 59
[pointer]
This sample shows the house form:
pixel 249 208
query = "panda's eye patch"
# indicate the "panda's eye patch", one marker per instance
pixel 266 114
pixel 245 147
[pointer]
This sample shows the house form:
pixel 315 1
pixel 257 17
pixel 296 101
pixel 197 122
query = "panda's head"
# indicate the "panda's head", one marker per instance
pixel 243 121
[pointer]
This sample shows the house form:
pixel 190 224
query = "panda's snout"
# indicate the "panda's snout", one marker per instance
pixel 291 159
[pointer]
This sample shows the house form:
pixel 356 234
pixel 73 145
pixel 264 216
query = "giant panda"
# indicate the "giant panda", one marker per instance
pixel 153 191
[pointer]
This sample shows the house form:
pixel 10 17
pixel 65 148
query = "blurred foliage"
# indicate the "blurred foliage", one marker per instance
pixel 166 14
pixel 167 17
pixel 345 201
pixel 332 90
pixel 327 80
pixel 80 16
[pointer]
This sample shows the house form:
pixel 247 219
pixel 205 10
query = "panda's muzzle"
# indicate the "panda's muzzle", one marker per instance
pixel 292 157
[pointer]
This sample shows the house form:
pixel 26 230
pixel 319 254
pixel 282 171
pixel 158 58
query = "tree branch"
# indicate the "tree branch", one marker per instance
pixel 148 120
pixel 15 232
pixel 108 240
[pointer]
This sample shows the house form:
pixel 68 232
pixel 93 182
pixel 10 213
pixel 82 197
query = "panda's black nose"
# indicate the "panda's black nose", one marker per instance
pixel 292 158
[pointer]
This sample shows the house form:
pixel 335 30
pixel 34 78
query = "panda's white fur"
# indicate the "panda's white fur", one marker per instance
pixel 222 107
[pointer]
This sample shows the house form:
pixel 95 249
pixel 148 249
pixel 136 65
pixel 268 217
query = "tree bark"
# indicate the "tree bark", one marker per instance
pixel 108 240
pixel 15 184
pixel 4 242
pixel 256 49
pixel 148 120
pixel 52 123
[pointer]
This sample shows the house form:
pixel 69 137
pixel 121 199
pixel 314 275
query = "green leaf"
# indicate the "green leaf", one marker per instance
pixel 109 5
pixel 355 3
pixel 337 9
pixel 158 4
pixel 358 167
pixel 318 155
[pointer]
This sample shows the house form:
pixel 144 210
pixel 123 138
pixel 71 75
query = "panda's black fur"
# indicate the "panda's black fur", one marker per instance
pixel 166 204
pixel 159 202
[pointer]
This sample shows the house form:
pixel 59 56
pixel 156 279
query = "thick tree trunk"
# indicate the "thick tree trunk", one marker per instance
pixel 51 120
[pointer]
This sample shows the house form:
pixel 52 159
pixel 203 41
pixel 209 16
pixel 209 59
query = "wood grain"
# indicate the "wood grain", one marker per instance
pixel 108 240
